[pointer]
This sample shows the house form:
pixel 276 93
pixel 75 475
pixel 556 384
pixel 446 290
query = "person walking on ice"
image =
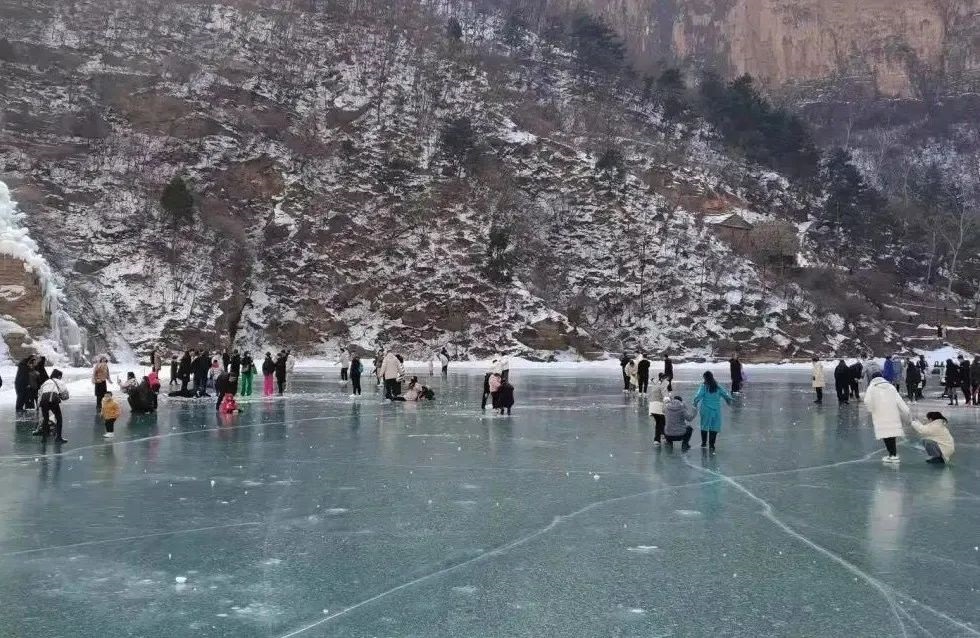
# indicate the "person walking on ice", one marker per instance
pixel 708 401
pixel 888 412
pixel 936 439
pixel 344 364
pixel 819 380
pixel 735 369
pixel 658 399
pixel 52 393
pixel 642 373
pixel 444 361
pixel 248 373
pixel 842 382
pixel 268 370
pixel 355 375
pixel 110 413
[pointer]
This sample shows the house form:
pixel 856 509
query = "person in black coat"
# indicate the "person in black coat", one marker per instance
pixel 965 375
pixel 735 368
pixel 22 382
pixel 225 360
pixel 842 382
pixel 913 381
pixel 642 374
pixel 505 397
pixel 142 399
pixel 184 370
pixel 281 371
pixel 200 367
pixel 356 368
pixel 669 373
pixel 235 369
pixel 222 386
pixel 623 362
pixel 856 371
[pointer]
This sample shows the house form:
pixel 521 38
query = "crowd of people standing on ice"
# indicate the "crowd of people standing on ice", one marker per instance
pixel 907 375
pixel 390 374
pixel 890 414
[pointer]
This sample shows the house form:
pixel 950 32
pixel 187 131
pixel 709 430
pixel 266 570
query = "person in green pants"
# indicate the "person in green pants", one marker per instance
pixel 247 374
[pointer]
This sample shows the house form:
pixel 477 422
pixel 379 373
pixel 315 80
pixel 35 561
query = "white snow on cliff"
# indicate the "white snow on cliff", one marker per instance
pixel 15 241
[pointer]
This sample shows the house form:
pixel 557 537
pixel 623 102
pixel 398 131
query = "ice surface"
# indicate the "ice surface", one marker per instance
pixel 321 516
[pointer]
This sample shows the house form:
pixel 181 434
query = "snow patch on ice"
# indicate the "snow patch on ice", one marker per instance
pixel 643 549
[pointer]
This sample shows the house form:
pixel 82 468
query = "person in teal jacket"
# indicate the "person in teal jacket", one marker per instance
pixel 708 401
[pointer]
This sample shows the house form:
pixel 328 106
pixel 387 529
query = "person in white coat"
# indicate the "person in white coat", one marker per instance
pixel 888 413
pixel 936 439
pixel 631 375
pixel 658 397
pixel 504 367
pixel 344 363
pixel 819 379
pixel 388 372
pixel 51 393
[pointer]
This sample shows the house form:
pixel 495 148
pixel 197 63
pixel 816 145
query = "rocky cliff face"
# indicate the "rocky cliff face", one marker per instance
pixel 899 47
pixel 360 177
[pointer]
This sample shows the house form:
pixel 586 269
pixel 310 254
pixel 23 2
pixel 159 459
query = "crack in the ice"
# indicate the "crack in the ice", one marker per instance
pixel 126 538
pixel 220 428
pixel 497 551
pixel 888 593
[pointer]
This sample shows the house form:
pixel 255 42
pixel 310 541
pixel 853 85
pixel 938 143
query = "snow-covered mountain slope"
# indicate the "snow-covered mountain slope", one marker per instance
pixel 332 207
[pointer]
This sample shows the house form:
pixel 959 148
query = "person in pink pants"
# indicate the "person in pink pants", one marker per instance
pixel 268 375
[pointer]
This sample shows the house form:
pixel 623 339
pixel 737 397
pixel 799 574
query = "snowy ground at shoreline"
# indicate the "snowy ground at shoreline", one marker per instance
pixel 78 378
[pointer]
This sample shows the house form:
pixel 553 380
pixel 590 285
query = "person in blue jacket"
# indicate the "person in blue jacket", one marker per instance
pixel 708 401
pixel 889 371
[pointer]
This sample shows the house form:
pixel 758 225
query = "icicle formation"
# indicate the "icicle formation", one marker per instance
pixel 16 242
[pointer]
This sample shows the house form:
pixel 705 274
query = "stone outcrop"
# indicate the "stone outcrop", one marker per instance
pixel 901 47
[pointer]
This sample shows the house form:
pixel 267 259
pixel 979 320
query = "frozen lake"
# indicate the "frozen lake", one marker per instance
pixel 319 516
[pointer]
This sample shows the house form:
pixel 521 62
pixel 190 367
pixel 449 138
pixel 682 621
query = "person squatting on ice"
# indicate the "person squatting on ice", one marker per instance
pixel 888 413
pixel 708 401
pixel 52 393
pixel 676 428
pixel 936 439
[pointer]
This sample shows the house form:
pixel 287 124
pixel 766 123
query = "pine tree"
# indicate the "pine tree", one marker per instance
pixel 454 30
pixel 178 202
pixel 851 205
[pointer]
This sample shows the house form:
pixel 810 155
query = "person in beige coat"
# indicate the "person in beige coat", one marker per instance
pixel 819 379
pixel 936 439
pixel 100 379
pixel 389 371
